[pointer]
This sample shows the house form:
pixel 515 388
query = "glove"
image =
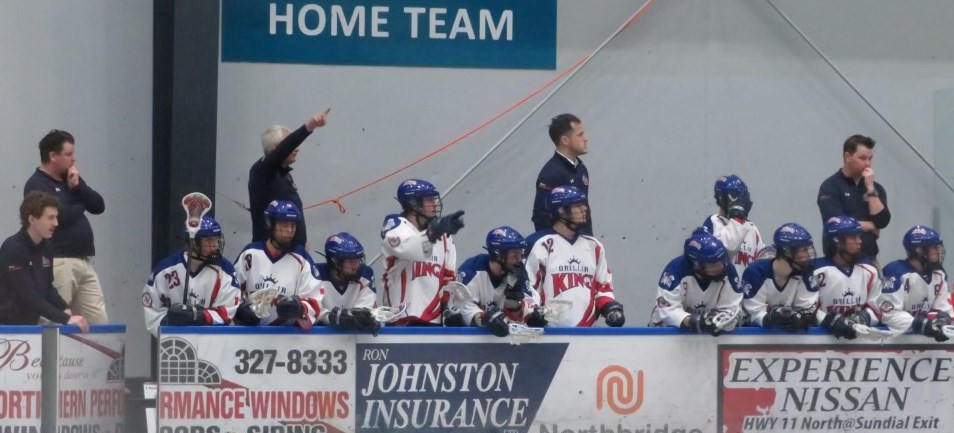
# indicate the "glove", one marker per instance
pixel 496 321
pixel 447 225
pixel 739 207
pixel 515 293
pixel 932 327
pixel 185 315
pixel 289 307
pixel 453 317
pixel 245 316
pixel 841 325
pixel 537 319
pixel 613 312
pixel 702 323
pixel 365 322
pixel 788 319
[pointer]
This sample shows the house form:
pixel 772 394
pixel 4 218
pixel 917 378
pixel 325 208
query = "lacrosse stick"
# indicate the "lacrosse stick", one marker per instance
pixel 948 330
pixel 262 300
pixel 554 309
pixel 385 314
pixel 460 294
pixel 869 333
pixel 520 333
pixel 726 320
pixel 196 205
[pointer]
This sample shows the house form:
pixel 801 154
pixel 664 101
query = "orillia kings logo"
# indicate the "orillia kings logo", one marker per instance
pixel 615 388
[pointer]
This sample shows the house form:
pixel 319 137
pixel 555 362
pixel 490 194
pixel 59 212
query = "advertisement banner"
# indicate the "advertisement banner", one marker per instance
pixel 20 355
pixel 834 388
pixel 92 380
pixel 445 33
pixel 256 383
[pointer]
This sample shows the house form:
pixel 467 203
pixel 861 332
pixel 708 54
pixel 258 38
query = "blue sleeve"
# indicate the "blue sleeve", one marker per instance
pixel 893 277
pixel 368 274
pixel 391 221
pixel 707 225
pixel 467 271
pixel 672 276
pixel 733 275
pixel 752 280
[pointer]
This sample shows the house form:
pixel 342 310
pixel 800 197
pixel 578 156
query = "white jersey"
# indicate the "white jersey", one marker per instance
pixel 416 270
pixel 742 240
pixel 908 294
pixel 211 287
pixel 475 274
pixel 849 292
pixel 289 274
pixel 356 294
pixel 760 292
pixel 680 294
pixel 570 269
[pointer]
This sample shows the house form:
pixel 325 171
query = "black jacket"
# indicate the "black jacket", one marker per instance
pixel 268 180
pixel 840 195
pixel 26 282
pixel 559 171
pixel 74 235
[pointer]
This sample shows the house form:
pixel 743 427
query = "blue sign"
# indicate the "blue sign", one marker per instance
pixel 464 388
pixel 445 33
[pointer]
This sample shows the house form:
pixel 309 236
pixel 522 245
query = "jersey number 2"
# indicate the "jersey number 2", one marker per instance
pixel 172 279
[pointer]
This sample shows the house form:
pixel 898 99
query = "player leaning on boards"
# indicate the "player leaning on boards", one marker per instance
pixel 26 268
pixel 347 285
pixel 194 286
pixel 565 264
pixel 497 285
pixel 276 276
pixel 699 290
pixel 916 295
pixel 270 178
pixel 779 293
pixel 419 255
pixel 730 225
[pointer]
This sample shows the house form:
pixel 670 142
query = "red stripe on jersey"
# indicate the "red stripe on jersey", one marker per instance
pixel 597 252
pixel 590 317
pixel 314 306
pixel 403 284
pixel 224 314
pixel 388 264
pixel 215 288
pixel 601 301
pixel 871 277
pixel 541 274
pixel 433 310
pixel 207 316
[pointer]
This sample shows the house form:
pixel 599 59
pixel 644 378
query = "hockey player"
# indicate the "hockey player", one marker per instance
pixel 731 225
pixel 347 284
pixel 195 286
pixel 498 285
pixel 420 256
pixel 699 290
pixel 778 293
pixel 848 286
pixel 277 276
pixel 916 294
pixel 562 263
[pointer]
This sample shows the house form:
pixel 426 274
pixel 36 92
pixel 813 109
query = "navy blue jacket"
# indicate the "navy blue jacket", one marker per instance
pixel 268 180
pixel 559 171
pixel 74 235
pixel 840 195
pixel 26 282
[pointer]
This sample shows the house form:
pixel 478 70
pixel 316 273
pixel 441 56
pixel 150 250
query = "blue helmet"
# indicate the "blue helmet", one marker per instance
pixel 281 210
pixel 563 197
pixel 502 239
pixel 208 228
pixel 838 227
pixel 788 239
pixel 730 185
pixel 701 249
pixel 411 191
pixel 917 239
pixel 343 246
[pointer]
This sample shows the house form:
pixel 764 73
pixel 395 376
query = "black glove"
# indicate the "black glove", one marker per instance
pixel 185 315
pixel 537 319
pixel 453 317
pixel 518 291
pixel 447 225
pixel 613 312
pixel 841 325
pixel 496 321
pixel 245 316
pixel 788 319
pixel 365 322
pixel 932 327
pixel 289 307
pixel 739 207
pixel 702 323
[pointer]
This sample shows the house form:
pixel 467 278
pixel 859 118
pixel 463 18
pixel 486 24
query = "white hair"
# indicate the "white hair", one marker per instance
pixel 272 136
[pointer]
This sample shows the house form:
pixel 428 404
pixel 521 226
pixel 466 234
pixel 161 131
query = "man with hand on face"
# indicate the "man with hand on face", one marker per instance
pixel 270 177
pixel 852 191
pixel 73 247
pixel 26 268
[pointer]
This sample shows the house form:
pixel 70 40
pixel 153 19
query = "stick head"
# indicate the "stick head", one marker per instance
pixel 196 205
pixel 869 333
pixel 554 309
pixel 385 314
pixel 262 301
pixel 459 294
pixel 520 333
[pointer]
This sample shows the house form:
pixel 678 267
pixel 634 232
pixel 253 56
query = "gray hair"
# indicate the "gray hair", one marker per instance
pixel 272 136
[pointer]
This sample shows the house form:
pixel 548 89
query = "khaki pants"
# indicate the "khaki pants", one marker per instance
pixel 78 285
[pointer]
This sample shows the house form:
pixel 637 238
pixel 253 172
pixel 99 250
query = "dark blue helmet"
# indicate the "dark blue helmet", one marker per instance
pixel 789 239
pixel 563 197
pixel 208 228
pixel 502 239
pixel 280 210
pixel 701 249
pixel 839 227
pixel 917 239
pixel 411 191
pixel 343 246
pixel 730 185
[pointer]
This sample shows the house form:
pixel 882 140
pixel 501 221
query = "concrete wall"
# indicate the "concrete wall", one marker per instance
pixel 86 67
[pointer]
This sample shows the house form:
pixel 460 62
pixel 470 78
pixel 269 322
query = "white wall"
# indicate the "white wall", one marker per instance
pixel 86 67
pixel 694 90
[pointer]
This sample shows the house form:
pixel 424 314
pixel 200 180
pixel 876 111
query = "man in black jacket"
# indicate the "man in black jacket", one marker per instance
pixel 852 191
pixel 73 247
pixel 270 177
pixel 26 268
pixel 564 168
